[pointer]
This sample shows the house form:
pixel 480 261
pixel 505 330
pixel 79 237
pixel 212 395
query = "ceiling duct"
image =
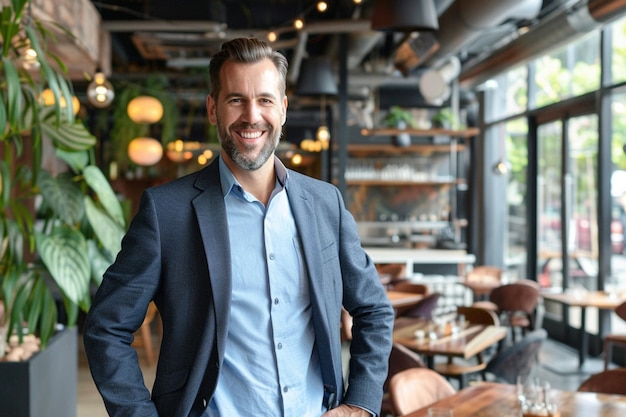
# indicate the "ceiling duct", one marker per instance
pixel 548 34
pixel 465 20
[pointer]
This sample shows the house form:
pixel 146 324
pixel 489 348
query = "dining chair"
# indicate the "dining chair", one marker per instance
pixel 517 359
pixel 407 286
pixel 611 381
pixel 613 339
pixel 400 359
pixel 415 388
pixel 516 305
pixel 461 371
pixel 423 308
pixel 483 274
pixel 391 273
pixel 478 315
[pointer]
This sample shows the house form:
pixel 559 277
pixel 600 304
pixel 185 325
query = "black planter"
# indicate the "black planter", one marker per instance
pixel 46 384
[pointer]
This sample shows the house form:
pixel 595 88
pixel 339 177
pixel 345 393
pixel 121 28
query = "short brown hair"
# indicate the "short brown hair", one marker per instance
pixel 245 51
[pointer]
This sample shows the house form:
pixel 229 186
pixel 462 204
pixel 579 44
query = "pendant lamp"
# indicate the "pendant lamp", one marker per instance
pixel 316 78
pixel 404 16
pixel 100 91
pixel 145 110
pixel 145 151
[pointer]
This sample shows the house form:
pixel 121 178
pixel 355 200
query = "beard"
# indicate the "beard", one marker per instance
pixel 240 156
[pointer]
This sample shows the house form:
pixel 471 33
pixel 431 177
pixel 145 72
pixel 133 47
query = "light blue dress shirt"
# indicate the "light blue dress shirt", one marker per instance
pixel 271 367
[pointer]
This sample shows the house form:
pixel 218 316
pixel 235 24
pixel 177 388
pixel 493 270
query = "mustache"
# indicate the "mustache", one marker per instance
pixel 250 126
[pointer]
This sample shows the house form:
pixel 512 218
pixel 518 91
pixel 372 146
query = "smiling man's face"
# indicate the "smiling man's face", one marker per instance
pixel 249 112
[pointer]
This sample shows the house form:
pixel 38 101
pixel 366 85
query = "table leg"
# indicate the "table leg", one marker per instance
pixel 584 339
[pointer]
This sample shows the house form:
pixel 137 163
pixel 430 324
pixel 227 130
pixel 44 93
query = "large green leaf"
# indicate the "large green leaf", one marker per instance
pixel 64 252
pixel 68 136
pixel 14 95
pixel 63 195
pixel 77 161
pixel 107 230
pixel 99 262
pixel 106 196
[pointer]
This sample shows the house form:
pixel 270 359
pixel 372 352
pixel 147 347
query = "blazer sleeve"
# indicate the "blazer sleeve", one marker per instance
pixel 117 311
pixel 366 300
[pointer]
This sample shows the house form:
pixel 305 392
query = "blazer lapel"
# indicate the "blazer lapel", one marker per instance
pixel 321 297
pixel 212 222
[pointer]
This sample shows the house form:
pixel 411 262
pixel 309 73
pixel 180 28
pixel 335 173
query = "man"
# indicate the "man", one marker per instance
pixel 249 265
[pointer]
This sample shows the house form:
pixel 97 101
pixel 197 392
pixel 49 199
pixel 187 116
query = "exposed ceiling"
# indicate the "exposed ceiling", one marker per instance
pixel 177 38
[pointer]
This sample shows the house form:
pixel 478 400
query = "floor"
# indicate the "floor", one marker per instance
pixel 562 374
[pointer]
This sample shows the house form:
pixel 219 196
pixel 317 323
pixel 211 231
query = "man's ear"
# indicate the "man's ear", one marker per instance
pixel 285 103
pixel 210 109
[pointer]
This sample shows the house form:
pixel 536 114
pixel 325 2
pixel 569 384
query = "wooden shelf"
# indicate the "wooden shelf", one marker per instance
pixel 402 182
pixel 387 131
pixel 364 149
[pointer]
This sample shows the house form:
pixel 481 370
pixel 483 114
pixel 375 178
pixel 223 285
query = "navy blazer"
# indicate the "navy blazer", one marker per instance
pixel 176 252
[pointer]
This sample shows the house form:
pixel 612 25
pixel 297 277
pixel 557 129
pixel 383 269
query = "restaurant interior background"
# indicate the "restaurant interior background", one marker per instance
pixel 530 175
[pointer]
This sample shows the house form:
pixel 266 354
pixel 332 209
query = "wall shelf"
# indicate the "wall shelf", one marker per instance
pixel 388 131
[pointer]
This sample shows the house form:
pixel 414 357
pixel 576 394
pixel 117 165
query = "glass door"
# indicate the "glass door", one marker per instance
pixel 567 210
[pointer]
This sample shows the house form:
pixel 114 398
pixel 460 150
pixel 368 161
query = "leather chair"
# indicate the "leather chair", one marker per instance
pixel 407 286
pixel 517 359
pixel 400 359
pixel 612 381
pixel 415 388
pixel 484 274
pixel 612 339
pixel 423 309
pixel 516 305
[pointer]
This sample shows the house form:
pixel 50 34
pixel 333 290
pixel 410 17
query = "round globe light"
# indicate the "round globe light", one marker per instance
pixel 145 151
pixel 145 110
pixel 100 91
pixel 47 97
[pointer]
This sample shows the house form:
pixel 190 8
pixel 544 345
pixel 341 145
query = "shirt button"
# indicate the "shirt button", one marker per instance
pixel 285 389
pixel 271 256
pixel 275 300
pixel 279 346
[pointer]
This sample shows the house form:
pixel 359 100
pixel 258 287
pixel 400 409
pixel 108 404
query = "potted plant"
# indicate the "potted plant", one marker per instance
pixel 399 118
pixel 445 119
pixel 59 228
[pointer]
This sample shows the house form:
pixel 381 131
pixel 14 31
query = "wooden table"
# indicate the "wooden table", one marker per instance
pixel 597 299
pixel 403 299
pixel 488 399
pixel 467 344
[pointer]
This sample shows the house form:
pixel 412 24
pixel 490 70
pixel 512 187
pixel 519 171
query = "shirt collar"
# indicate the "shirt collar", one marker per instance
pixel 229 181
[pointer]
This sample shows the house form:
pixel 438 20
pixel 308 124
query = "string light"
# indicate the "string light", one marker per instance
pixel 322 6
pixel 272 36
pixel 298 23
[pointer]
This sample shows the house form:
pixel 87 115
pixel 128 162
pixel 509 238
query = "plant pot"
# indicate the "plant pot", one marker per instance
pixel 46 384
pixel 402 139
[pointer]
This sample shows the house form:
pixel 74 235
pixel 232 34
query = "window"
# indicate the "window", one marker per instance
pixel 516 144
pixel 511 95
pixel 569 71
pixel 618 59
